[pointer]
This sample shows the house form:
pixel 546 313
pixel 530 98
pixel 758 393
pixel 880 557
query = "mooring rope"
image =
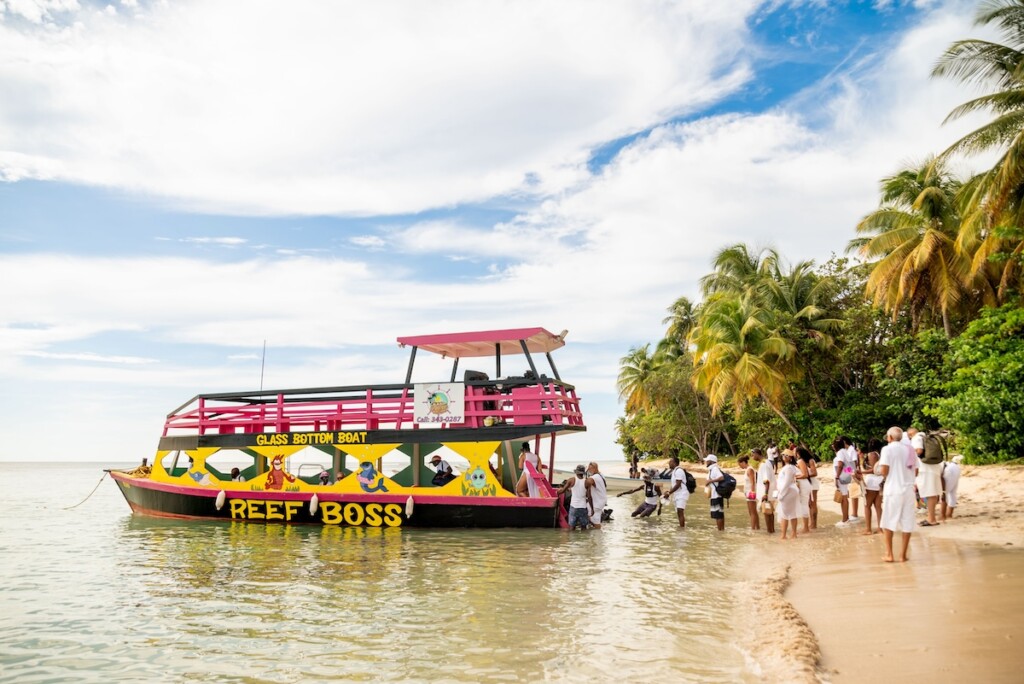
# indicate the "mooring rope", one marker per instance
pixel 105 473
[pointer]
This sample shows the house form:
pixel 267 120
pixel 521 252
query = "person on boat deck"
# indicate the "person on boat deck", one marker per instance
pixel 236 475
pixel 527 486
pixel 325 477
pixel 581 500
pixel 443 470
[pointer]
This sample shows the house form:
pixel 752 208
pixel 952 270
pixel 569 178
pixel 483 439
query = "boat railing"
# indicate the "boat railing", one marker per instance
pixel 546 402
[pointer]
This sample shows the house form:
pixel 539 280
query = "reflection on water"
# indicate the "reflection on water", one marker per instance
pixel 98 594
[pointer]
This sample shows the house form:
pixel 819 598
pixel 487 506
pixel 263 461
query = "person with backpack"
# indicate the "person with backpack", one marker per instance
pixel 715 476
pixel 652 494
pixel 929 476
pixel 682 485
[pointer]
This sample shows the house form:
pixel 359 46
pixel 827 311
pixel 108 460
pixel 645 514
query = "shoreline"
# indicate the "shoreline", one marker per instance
pixel 825 608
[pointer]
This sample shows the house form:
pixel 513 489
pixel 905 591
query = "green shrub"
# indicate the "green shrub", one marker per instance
pixel 985 398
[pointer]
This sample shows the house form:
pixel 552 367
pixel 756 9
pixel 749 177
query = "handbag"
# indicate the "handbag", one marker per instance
pixel 766 507
pixel 854 490
pixel 837 496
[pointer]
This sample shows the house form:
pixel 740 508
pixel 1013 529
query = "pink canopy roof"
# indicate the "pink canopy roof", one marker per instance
pixel 462 345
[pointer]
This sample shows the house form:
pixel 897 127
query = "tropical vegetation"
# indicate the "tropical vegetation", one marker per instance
pixel 922 325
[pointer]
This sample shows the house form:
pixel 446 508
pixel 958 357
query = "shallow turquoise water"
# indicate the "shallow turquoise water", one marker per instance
pixel 97 594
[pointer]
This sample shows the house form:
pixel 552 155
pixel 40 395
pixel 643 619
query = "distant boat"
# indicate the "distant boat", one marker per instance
pixel 355 427
pixel 616 484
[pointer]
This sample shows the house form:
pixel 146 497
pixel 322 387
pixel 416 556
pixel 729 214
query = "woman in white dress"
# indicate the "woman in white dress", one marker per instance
pixel 789 495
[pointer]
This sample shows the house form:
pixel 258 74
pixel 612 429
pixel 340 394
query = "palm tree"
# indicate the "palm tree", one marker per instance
pixel 738 356
pixel 635 371
pixel 798 299
pixel 994 202
pixel 682 318
pixel 738 269
pixel 911 241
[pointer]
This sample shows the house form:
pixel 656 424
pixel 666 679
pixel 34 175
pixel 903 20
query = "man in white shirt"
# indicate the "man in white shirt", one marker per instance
pixel 678 491
pixel 598 494
pixel 899 465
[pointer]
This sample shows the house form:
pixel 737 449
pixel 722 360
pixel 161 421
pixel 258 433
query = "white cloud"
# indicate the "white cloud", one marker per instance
pixel 353 108
pixel 37 11
pixel 603 257
pixel 223 241
pixel 91 358
pixel 368 241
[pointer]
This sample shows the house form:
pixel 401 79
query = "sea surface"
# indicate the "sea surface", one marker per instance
pixel 96 594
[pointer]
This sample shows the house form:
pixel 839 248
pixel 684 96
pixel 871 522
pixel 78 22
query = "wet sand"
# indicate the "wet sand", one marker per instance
pixel 826 608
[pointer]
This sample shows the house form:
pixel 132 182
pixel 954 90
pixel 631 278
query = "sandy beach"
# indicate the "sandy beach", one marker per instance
pixel 825 608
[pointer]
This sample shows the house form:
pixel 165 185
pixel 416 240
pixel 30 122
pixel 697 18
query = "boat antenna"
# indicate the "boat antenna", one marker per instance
pixel 263 363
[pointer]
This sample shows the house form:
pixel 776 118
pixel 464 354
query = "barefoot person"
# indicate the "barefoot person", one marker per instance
pixel 899 465
pixel 715 475
pixel 815 486
pixel 527 486
pixel 844 476
pixel 872 485
pixel 789 494
pixel 750 491
pixel 580 502
pixel 803 483
pixel 950 484
pixel 652 494
pixel 678 492
pixel 766 488
pixel 598 494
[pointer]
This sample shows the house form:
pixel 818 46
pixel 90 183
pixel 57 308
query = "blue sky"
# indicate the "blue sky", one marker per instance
pixel 181 181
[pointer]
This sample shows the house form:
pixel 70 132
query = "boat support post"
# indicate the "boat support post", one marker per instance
pixel 529 359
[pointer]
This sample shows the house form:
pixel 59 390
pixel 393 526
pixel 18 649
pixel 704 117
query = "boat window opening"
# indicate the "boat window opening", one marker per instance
pixel 220 464
pixel 458 463
pixel 310 472
pixel 170 461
